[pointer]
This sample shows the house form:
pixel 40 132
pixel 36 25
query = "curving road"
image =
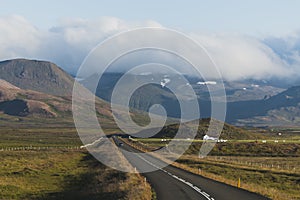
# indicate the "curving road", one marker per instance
pixel 173 183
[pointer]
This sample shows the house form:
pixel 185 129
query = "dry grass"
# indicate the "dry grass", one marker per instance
pixel 137 185
pixel 267 183
pixel 60 174
pixel 278 184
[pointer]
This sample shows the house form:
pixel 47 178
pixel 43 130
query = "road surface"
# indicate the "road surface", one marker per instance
pixel 172 183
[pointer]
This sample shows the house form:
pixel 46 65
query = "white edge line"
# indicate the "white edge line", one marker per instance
pixel 207 196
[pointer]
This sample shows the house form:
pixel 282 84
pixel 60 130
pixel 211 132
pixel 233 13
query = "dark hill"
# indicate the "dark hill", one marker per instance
pixel 35 75
pixel 282 109
pixel 228 132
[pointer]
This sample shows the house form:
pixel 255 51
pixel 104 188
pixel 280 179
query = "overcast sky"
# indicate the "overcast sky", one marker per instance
pixel 248 39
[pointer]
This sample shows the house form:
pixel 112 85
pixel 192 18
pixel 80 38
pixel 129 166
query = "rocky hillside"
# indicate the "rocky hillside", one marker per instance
pixel 282 109
pixel 35 75
pixel 40 93
pixel 250 102
pixel 19 102
pixel 31 108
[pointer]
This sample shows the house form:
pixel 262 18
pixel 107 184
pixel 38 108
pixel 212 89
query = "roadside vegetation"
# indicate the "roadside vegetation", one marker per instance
pixel 268 168
pixel 62 171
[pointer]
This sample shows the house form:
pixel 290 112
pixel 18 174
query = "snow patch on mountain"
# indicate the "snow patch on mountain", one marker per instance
pixel 206 83
pixel 254 86
pixel 145 73
pixel 164 82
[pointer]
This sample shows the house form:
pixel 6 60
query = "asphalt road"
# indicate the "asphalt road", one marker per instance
pixel 173 183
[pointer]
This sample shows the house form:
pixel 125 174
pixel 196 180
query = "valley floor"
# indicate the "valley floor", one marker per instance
pixel 48 164
pixel 270 169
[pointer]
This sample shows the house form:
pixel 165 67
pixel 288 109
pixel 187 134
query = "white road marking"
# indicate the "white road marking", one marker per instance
pixel 207 196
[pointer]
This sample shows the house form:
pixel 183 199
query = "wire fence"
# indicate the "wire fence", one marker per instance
pixel 286 164
pixel 39 148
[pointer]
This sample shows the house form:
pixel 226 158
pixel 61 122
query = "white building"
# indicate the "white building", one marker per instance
pixel 207 137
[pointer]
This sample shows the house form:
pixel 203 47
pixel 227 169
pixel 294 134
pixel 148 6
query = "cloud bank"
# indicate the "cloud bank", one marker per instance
pixel 68 42
pixel 245 57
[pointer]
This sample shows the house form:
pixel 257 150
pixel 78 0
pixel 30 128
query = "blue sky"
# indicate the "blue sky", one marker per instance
pixel 247 39
pixel 256 17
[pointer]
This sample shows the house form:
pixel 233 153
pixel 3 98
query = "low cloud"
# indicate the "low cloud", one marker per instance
pixel 18 38
pixel 288 48
pixel 244 57
pixel 68 42
pixel 65 44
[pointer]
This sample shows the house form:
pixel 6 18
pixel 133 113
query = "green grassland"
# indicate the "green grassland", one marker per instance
pixel 269 168
pixel 277 179
pixel 24 137
pixel 62 171
pixel 63 175
pixel 266 162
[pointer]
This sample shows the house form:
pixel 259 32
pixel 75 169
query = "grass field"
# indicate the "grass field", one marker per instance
pixel 270 168
pixel 61 171
pixel 24 137
pixel 65 175
pixel 253 148
pixel 46 163
pixel 255 175
pixel 163 140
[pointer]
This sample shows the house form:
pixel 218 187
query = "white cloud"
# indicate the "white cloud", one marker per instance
pixel 18 37
pixel 66 44
pixel 243 57
pixel 71 39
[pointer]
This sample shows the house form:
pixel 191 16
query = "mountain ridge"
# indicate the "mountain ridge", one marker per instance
pixel 43 89
pixel 249 103
pixel 41 76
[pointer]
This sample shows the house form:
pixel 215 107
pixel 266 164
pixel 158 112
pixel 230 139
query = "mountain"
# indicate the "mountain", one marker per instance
pixel 282 109
pixel 31 108
pixel 247 90
pixel 243 90
pixel 147 95
pixel 30 88
pixel 17 102
pixel 249 102
pixel 39 93
pixel 40 76
pixel 34 89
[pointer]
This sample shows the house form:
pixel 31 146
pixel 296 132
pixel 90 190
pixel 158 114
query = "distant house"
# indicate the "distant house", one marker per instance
pixel 207 137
